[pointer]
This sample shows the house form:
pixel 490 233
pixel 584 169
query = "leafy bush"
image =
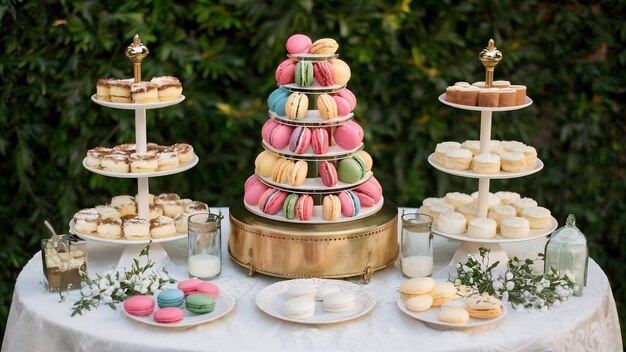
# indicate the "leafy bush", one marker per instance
pixel 402 55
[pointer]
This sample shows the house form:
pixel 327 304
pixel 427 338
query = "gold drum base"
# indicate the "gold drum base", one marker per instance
pixel 336 250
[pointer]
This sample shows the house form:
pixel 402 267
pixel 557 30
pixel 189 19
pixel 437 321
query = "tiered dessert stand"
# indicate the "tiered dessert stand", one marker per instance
pixel 349 246
pixel 136 52
pixel 490 58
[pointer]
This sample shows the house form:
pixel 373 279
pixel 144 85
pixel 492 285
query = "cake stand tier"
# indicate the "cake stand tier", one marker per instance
pixel 183 167
pixel 314 185
pixel 337 250
pixel 334 153
pixel 312 119
pixel 312 57
pixel 527 102
pixel 123 241
pixel 533 234
pixel 132 106
pixel 314 89
pixel 472 174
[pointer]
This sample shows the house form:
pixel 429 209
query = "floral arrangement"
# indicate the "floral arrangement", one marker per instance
pixel 519 285
pixel 115 286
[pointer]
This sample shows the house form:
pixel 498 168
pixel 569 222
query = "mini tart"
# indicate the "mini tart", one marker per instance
pixel 144 92
pixel 486 164
pixel 185 152
pixel 136 228
pixel 86 221
pixel 168 159
pixel 109 228
pixel 103 89
pixel 108 212
pixel 538 217
pixel 507 97
pixel 471 145
pixel 162 227
pixel 507 197
pixel 95 156
pixel 120 90
pixel 514 227
pixel 482 228
pixel 143 162
pixel 168 87
pixel 451 223
pixel 442 149
pixel 483 306
pixel 125 205
pixel 456 199
pixel 492 199
pixel 118 163
pixel 522 204
pixel 530 155
pixel 513 162
pixel 469 211
pixel 488 97
pixel 458 159
pixel 501 212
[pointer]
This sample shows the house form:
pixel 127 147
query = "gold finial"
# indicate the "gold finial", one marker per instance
pixel 490 56
pixel 136 52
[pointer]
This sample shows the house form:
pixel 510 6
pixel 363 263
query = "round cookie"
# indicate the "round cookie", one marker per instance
pixel 419 303
pixel 454 316
pixel 417 286
pixel 483 307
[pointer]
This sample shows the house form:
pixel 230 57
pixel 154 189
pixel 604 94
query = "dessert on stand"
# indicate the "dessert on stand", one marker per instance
pixel 313 208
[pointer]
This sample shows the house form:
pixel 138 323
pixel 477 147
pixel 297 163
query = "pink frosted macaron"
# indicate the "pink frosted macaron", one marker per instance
pixel 208 288
pixel 304 207
pixel 190 285
pixel 267 128
pixel 300 140
pixel 278 135
pixel 348 136
pixel 168 315
pixel 298 44
pixel 343 105
pixel 324 73
pixel 328 173
pixel 348 96
pixel 271 201
pixel 253 189
pixel 369 193
pixel 140 305
pixel 350 203
pixel 320 141
pixel 286 71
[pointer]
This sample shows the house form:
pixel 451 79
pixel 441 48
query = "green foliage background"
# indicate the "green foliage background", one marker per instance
pixel 403 54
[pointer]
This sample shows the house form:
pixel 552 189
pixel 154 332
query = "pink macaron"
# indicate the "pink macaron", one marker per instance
pixel 300 140
pixel 304 207
pixel 343 106
pixel 369 193
pixel 286 71
pixel 298 44
pixel 268 126
pixel 349 135
pixel 350 203
pixel 328 173
pixel 189 286
pixel 253 189
pixel 324 73
pixel 271 201
pixel 208 288
pixel 168 315
pixel 320 141
pixel 348 96
pixel 278 135
pixel 139 305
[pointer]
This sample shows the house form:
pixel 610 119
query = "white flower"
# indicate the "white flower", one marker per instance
pixel 510 286
pixel 95 290
pixel 106 299
pixel 471 280
pixel 143 290
pixel 538 288
pixel 119 292
pixel 104 284
pixel 116 284
pixel 86 291
pixel 137 288
pixel 509 276
pixel 154 287
pixel 497 285
pixel 109 291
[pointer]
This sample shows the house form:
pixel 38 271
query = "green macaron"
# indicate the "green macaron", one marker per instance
pixel 304 73
pixel 352 169
pixel 200 303
pixel 289 207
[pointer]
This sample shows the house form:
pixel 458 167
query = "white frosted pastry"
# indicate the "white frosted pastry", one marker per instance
pixel 182 223
pixel 172 208
pixel 492 199
pixel 168 159
pixel 108 212
pixel 437 209
pixel 443 148
pixel 136 228
pixel 456 199
pixel 109 228
pixel 469 211
pixel 125 205
pixel 169 88
pixel 458 159
pixel 513 162
pixel 86 221
pixel 126 149
pixel 428 202
pixel 486 164
pixel 507 197
pixel 162 227
pixel 119 90
pixel 144 92
pixel 103 89
pixel 510 145
pixel 482 228
pixel 115 163
pixel 538 217
pixel 530 155
pixel 166 197
pixel 95 156
pixel 150 198
pixel 514 227
pixel 473 146
pixel 196 207
pixel 155 210
pixel 185 152
pixel 451 223
pixel 502 211
pixel 522 204
pixel 143 162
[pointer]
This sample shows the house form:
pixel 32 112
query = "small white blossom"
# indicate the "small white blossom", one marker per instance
pixel 509 276
pixel 119 292
pixel 104 284
pixel 86 291
pixel 510 286
pixel 538 288
pixel 497 285
pixel 106 299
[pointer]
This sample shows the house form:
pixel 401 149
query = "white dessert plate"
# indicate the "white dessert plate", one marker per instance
pixel 527 102
pixel 312 118
pixel 472 174
pixel 131 106
pixel 315 185
pixel 533 234
pixel 317 214
pixel 271 300
pixel 312 57
pixel 183 167
pixel 224 304
pixel 334 153
pixel 429 317
pixel 122 240
pixel 313 89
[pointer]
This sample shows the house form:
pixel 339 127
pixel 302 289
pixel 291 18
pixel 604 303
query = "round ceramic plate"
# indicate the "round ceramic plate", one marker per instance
pixel 317 214
pixel 131 106
pixel 334 153
pixel 312 118
pixel 314 185
pixel 472 174
pixel 533 234
pixel 314 89
pixel 271 300
pixel 527 102
pixel 178 236
pixel 223 305
pixel 183 167
pixel 429 317
pixel 312 57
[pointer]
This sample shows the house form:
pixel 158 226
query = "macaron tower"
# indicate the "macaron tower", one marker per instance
pixel 314 169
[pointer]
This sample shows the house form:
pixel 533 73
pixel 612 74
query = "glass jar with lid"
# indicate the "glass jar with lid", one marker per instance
pixel 567 251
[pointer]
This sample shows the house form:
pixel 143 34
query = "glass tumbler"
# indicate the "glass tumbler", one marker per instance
pixel 205 245
pixel 416 245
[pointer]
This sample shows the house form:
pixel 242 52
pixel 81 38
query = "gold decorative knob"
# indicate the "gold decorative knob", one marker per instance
pixel 490 57
pixel 136 52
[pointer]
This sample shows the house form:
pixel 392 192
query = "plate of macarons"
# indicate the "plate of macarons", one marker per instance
pixel 315 301
pixel 443 305
pixel 194 302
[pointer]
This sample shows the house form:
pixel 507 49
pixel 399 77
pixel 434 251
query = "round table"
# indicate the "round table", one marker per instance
pixel 39 322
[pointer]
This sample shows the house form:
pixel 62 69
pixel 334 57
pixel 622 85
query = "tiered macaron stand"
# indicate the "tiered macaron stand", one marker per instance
pixel 136 52
pixel 349 246
pixel 490 57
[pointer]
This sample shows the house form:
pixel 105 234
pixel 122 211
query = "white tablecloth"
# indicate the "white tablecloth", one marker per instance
pixel 39 322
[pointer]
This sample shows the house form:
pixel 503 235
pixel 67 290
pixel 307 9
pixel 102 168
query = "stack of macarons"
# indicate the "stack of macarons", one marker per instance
pixel 301 298
pixel 300 140
pixel 295 105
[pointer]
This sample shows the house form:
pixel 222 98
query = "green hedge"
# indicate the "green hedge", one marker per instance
pixel 403 54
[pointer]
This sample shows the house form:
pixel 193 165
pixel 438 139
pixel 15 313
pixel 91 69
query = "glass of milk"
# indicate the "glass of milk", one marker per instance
pixel 205 244
pixel 416 245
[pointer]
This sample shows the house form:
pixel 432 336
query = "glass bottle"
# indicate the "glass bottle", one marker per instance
pixel 416 245
pixel 205 245
pixel 567 250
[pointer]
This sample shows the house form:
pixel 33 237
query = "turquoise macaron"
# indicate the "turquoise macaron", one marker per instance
pixel 200 303
pixel 352 169
pixel 171 297
pixel 277 100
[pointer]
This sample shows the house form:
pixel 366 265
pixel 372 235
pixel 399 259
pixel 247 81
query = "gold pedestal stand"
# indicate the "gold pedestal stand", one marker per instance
pixel 289 250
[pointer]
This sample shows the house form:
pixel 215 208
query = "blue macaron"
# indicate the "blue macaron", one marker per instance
pixel 276 96
pixel 171 297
